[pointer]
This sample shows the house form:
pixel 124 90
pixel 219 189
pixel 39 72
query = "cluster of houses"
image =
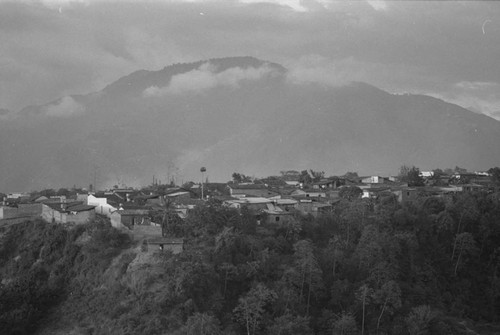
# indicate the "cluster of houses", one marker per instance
pixel 273 200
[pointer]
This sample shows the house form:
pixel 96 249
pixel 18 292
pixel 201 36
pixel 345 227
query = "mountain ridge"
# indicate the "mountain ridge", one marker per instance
pixel 234 114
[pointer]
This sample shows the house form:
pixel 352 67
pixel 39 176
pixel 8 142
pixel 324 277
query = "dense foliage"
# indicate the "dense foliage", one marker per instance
pixel 369 267
pixel 41 263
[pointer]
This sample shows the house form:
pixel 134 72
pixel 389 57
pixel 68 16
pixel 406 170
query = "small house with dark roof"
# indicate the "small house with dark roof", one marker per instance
pixel 473 187
pixel 374 192
pixel 275 214
pixel 127 218
pixel 67 212
pixel 308 194
pixel 38 198
pixel 287 204
pixel 408 194
pixel 331 183
pixel 314 208
pixel 374 180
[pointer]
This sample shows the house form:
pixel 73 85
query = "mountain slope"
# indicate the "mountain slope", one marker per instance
pixel 234 114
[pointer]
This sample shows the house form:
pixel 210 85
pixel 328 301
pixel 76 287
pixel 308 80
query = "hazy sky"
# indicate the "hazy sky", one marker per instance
pixel 449 49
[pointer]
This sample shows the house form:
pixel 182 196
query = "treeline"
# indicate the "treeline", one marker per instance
pixel 369 267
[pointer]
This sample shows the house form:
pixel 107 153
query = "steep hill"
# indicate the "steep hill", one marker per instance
pixel 233 114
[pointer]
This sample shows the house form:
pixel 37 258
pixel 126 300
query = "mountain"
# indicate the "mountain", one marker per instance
pixel 234 114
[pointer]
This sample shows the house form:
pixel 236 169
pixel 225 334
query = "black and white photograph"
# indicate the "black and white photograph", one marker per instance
pixel 254 167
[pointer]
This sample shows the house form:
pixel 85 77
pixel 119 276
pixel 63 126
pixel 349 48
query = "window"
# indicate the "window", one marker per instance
pixel 277 218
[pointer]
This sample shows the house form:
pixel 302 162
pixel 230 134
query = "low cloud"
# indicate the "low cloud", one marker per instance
pixel 206 77
pixel 337 72
pixel 320 70
pixel 476 85
pixel 65 107
pixel 379 5
pixel 478 96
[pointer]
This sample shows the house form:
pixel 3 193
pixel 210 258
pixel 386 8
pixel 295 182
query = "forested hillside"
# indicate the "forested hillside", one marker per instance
pixel 369 267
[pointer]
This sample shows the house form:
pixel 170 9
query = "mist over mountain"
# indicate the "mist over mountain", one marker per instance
pixel 233 114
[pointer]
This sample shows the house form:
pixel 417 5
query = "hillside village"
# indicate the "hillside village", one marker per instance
pixel 298 253
pixel 145 213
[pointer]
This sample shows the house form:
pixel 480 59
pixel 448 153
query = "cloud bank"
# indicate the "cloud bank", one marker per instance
pixel 207 77
pixel 55 48
pixel 66 107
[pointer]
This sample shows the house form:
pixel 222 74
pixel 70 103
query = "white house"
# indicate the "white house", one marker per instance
pixel 373 180
pixel 101 205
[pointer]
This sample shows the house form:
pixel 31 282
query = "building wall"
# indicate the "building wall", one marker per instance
pixel 405 195
pixel 9 222
pixel 80 217
pixel 175 248
pixel 29 210
pixel 8 212
pixel 94 201
pixel 51 215
pixel 279 218
pixel 305 207
pixel 23 211
pixel 106 210
pixel 256 207
pixel 253 192
pixel 145 231
pixel 116 220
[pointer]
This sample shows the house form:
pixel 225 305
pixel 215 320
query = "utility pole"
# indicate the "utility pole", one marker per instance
pixel 202 170
pixel 94 186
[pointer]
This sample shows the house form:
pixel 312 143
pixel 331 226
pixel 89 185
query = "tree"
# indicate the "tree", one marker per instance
pixel 308 268
pixel 353 219
pixel 363 295
pixel 466 247
pixel 418 320
pixel 251 307
pixel 48 192
pixel 466 207
pixel 289 324
pixel 305 177
pixel 350 192
pixel 317 175
pixel 351 175
pixel 389 297
pixel 495 174
pixel 201 324
pixel 345 325
pixel 411 175
pixel 335 252
pixel 436 173
pixel 240 178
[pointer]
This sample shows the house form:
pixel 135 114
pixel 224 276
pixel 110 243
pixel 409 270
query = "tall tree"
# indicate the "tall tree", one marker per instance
pixel 200 324
pixel 364 295
pixel 388 297
pixel 309 270
pixel 419 319
pixel 289 324
pixel 345 325
pixel 466 247
pixel 251 307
